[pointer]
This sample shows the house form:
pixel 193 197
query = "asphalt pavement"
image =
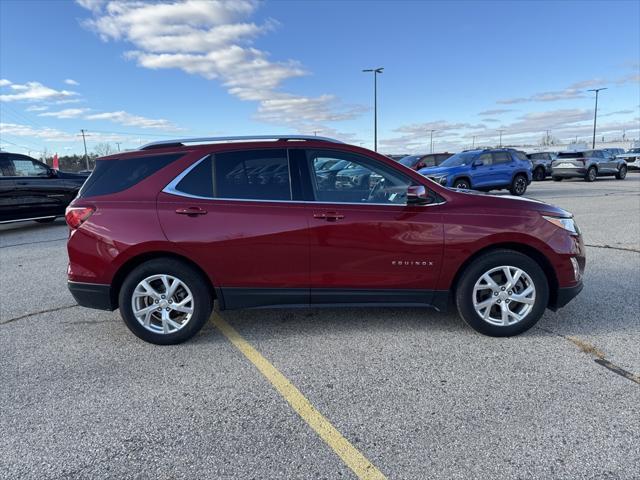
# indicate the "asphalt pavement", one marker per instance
pixel 416 392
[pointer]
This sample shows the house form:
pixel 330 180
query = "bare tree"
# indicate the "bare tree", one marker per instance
pixel 103 149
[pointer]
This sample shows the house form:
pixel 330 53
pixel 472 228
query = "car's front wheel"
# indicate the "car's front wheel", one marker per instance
pixel 462 184
pixel 502 293
pixel 165 301
pixel 622 173
pixel 518 185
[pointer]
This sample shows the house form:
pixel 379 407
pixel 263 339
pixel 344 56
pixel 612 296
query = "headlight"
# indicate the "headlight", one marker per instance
pixel 567 224
pixel 441 179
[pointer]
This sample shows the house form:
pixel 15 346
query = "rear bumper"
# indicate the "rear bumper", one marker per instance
pixel 565 295
pixel 569 172
pixel 92 295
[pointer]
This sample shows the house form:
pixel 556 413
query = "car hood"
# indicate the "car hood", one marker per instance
pixel 512 202
pixel 439 170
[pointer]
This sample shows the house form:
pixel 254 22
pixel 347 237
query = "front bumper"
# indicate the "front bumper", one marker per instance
pixel 92 295
pixel 565 295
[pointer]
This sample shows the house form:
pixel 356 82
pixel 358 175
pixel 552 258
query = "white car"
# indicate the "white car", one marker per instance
pixel 632 157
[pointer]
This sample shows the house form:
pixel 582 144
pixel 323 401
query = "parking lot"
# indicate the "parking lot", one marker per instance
pixel 417 393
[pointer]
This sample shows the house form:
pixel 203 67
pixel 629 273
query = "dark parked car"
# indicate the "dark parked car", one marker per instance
pixel 417 162
pixel 163 231
pixel 632 158
pixel 541 164
pixel 588 164
pixel 30 190
pixel 489 169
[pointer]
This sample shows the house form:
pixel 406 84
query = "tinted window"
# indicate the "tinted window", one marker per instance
pixel 253 174
pixel 364 180
pixel 410 161
pixel 571 155
pixel 521 155
pixel 199 180
pixel 501 157
pixel 111 176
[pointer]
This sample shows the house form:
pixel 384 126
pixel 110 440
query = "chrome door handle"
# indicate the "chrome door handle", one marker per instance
pixel 191 211
pixel 328 216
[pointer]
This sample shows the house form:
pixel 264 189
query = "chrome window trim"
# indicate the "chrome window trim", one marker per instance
pixel 171 190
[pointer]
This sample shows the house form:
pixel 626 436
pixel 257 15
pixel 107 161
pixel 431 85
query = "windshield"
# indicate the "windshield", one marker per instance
pixel 410 161
pixel 458 159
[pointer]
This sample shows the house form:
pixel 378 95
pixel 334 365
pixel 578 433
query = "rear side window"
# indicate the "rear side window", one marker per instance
pixel 111 176
pixel 501 157
pixel 242 175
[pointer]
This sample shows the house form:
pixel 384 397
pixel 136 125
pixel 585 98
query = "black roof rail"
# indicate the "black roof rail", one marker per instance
pixel 182 141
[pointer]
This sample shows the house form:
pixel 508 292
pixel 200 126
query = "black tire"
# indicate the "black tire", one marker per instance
pixel 481 265
pixel 556 179
pixel 539 174
pixel 45 220
pixel 192 278
pixel 591 175
pixel 622 172
pixel 462 184
pixel 518 185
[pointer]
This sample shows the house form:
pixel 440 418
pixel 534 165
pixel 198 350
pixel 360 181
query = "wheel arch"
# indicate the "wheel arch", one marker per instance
pixel 462 176
pixel 137 260
pixel 527 250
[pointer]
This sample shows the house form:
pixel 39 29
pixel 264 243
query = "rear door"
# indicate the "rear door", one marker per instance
pixel 234 213
pixel 366 244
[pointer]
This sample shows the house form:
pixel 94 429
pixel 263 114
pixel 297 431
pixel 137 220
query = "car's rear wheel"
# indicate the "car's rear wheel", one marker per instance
pixel 622 172
pixel 502 293
pixel 556 179
pixel 165 301
pixel 591 175
pixel 539 174
pixel 518 185
pixel 462 184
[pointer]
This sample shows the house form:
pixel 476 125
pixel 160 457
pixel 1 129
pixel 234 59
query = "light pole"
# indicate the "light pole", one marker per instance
pixel 375 72
pixel 500 146
pixel 473 145
pixel 595 114
pixel 431 148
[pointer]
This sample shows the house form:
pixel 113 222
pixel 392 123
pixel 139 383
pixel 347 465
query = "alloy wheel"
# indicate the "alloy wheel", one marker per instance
pixel 520 185
pixel 162 304
pixel 504 295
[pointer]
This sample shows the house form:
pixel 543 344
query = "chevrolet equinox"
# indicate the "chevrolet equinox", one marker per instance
pixel 163 231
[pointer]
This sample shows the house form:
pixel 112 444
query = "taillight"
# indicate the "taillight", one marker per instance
pixel 76 216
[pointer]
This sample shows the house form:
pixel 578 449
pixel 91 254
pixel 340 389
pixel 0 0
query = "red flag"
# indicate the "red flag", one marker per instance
pixel 56 166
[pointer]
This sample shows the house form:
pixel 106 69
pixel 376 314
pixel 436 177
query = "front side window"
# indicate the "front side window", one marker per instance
pixel 28 168
pixel 242 175
pixel 361 180
pixel 486 159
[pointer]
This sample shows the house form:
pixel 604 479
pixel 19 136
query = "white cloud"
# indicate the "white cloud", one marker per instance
pixel 47 134
pixel 213 40
pixel 496 111
pixel 70 81
pixel 36 108
pixel 66 113
pixel 4 82
pixel 34 91
pixel 128 119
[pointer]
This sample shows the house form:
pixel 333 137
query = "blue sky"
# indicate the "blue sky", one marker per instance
pixel 132 73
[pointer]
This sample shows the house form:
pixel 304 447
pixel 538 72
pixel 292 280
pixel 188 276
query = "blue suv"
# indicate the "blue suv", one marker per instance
pixel 492 169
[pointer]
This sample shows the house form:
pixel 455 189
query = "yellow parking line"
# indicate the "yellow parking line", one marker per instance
pixel 349 454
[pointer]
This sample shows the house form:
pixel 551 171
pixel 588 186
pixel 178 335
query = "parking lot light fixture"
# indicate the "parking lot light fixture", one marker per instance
pixel 375 72
pixel 595 114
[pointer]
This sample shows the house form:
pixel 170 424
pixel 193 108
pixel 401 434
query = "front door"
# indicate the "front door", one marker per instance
pixel 366 244
pixel 482 171
pixel 233 214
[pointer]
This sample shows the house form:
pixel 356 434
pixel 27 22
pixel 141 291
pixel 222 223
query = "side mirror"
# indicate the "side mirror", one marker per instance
pixel 478 163
pixel 417 195
pixel 420 165
pixel 52 173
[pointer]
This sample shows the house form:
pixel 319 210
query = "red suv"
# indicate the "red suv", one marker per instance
pixel 257 222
